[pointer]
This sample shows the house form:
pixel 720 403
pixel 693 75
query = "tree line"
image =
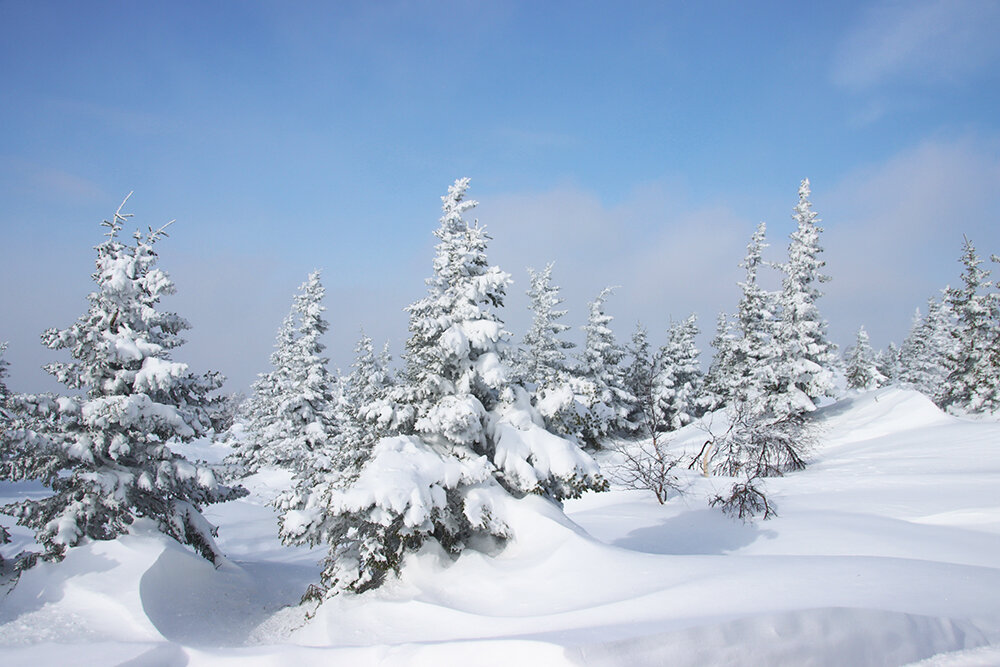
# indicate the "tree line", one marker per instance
pixel 384 460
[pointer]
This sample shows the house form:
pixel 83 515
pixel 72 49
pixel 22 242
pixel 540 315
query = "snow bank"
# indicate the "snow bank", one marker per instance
pixel 885 552
pixel 819 637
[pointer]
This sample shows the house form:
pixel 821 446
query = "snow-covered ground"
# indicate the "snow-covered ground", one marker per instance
pixel 886 551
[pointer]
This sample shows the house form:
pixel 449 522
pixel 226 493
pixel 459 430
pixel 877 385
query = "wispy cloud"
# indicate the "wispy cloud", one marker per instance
pixel 929 41
pixel 50 181
pixel 894 229
pixel 117 117
pixel 668 257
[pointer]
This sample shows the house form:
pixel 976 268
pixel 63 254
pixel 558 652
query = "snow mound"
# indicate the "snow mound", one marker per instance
pixel 869 415
pixel 92 595
pixel 818 637
pixel 885 552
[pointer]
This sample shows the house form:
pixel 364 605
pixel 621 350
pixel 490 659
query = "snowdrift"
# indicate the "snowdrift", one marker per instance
pixel 886 551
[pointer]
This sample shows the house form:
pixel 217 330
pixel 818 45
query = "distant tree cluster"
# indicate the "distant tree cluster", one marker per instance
pixel 952 353
pixel 385 460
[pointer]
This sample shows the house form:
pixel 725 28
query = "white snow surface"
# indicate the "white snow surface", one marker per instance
pixel 886 551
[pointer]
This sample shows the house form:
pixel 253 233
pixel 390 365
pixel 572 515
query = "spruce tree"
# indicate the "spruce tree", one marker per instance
pixel 6 434
pixel 807 358
pixel 974 381
pixel 639 376
pixel 366 412
pixel 6 419
pixel 887 363
pixel 719 381
pixel 605 401
pixel 542 367
pixel 679 383
pixel 924 357
pixel 542 362
pixel 764 432
pixel 465 435
pixel 306 420
pixel 255 430
pixel 290 420
pixel 752 359
pixel 107 453
pixel 861 370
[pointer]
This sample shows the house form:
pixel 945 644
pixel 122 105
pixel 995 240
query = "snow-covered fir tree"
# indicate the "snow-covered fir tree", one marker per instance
pixel 5 416
pixel 106 453
pixel 763 431
pixel 605 401
pixel 639 373
pixel 678 385
pixel 861 369
pixel 6 434
pixel 306 419
pixel 973 383
pixel 750 370
pixel 256 426
pixel 924 356
pixel 807 359
pixel 367 413
pixel 719 378
pixel 542 360
pixel 467 435
pixel 887 363
pixel 542 366
pixel 290 420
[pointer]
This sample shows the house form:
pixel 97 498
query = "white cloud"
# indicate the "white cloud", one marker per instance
pixel 668 259
pixel 930 41
pixel 893 235
pixel 894 231
pixel 49 182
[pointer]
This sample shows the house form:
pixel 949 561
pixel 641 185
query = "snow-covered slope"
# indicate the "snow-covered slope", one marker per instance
pixel 886 551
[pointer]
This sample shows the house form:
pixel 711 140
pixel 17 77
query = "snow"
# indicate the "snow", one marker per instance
pixel 885 551
pixel 405 477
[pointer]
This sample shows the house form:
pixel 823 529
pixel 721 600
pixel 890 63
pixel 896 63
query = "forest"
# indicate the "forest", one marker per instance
pixel 391 459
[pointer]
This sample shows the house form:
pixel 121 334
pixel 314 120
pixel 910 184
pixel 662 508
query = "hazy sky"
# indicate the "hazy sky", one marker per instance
pixel 635 144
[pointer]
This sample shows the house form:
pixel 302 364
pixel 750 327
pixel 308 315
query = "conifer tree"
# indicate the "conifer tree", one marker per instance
pixel 807 357
pixel 764 432
pixel 442 359
pixel 861 369
pixel 367 413
pixel 887 363
pixel 543 358
pixel 751 365
pixel 256 429
pixel 974 381
pixel 678 385
pixel 639 374
pixel 603 395
pixel 6 434
pixel 719 381
pixel 5 416
pixel 290 420
pixel 106 453
pixel 542 366
pixel 306 420
pixel 466 435
pixel 924 357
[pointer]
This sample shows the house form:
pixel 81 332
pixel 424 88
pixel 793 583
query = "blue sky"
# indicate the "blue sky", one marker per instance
pixel 636 145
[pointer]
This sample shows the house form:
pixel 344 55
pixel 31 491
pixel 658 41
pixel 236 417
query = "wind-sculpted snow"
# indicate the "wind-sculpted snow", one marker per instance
pixel 885 551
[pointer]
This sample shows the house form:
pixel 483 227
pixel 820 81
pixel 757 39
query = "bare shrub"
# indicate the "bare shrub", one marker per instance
pixel 647 465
